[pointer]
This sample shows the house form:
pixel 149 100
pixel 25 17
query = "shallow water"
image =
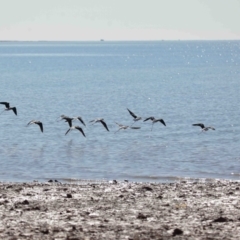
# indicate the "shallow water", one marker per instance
pixel 183 82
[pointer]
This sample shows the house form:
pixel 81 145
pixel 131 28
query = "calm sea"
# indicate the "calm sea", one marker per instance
pixel 182 82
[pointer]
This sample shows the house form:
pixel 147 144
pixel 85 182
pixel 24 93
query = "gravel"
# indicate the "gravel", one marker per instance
pixel 120 210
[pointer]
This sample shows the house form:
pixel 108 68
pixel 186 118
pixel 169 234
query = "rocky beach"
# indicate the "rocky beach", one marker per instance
pixel 120 210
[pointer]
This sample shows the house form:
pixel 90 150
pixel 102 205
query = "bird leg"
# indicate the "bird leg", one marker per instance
pixel 2 111
pixel 117 130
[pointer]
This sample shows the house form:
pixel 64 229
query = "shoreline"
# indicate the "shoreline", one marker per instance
pixel 120 210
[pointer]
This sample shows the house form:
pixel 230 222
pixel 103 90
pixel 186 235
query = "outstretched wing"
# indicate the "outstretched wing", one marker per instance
pixel 40 125
pixel 120 125
pixel 69 120
pixel 67 131
pixel 199 125
pixel 149 118
pixel 80 129
pixel 133 115
pixel 161 121
pixel 80 119
pixel 6 104
pixel 104 124
pixel 31 122
pixel 135 127
pixel 14 110
pixel 62 117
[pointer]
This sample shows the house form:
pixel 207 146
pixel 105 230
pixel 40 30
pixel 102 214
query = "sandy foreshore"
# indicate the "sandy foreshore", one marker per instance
pixel 120 210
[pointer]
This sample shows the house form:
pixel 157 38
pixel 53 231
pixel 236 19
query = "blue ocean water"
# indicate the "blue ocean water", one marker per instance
pixel 182 82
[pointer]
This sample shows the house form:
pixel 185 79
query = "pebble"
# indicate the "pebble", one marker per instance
pixel 120 210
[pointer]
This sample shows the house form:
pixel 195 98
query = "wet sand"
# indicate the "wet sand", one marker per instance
pixel 120 210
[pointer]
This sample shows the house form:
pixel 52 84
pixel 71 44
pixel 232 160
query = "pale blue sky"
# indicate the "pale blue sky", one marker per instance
pixel 119 19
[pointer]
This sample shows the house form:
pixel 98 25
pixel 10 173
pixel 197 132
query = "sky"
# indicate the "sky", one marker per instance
pixel 87 20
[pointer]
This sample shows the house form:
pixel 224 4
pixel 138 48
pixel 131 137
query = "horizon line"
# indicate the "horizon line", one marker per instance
pixel 126 40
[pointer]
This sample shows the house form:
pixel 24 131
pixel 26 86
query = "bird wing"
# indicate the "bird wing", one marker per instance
pixel 149 118
pixel 69 120
pixel 64 116
pixel 104 124
pixel 6 104
pixel 14 110
pixel 133 115
pixel 40 125
pixel 120 125
pixel 162 121
pixel 135 127
pixel 67 131
pixel 80 119
pixel 199 125
pixel 31 122
pixel 80 129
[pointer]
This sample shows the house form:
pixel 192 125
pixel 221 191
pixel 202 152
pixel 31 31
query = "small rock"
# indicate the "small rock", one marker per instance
pixel 44 230
pixel 177 231
pixel 69 195
pixel 141 216
pixel 182 196
pixel 221 219
pixel 147 188
pixel 25 202
pixel 159 197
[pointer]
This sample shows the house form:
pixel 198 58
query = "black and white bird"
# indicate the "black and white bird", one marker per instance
pixel 8 108
pixel 154 120
pixel 125 127
pixel 67 119
pixel 101 120
pixel 135 117
pixel 80 119
pixel 202 126
pixel 70 119
pixel 36 122
pixel 75 127
pixel 62 117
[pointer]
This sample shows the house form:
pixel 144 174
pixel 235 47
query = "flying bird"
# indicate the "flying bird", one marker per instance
pixel 62 117
pixel 7 107
pixel 202 126
pixel 36 122
pixel 135 117
pixel 101 120
pixel 154 120
pixel 80 119
pixel 67 119
pixel 70 119
pixel 125 127
pixel 76 127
